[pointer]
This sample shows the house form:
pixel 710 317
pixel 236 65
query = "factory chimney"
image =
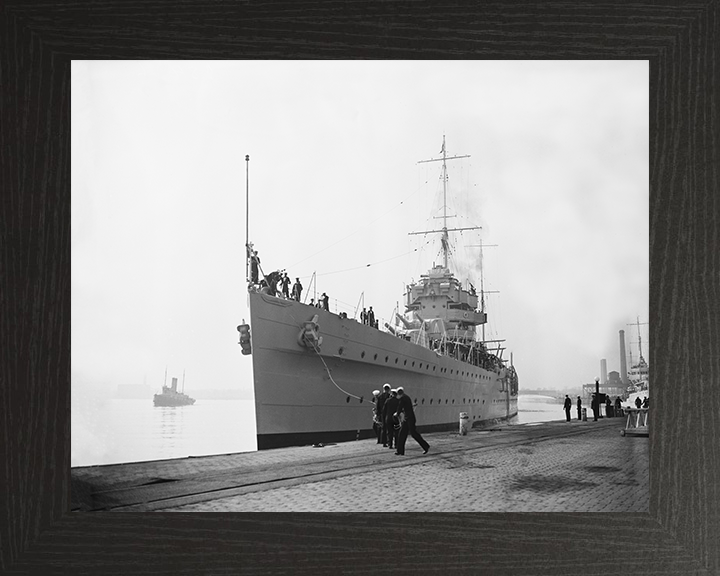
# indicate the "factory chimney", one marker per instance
pixel 603 371
pixel 623 361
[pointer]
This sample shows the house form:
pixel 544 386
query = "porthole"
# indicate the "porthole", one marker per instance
pixel 340 351
pixel 404 362
pixel 431 400
pixel 434 368
pixel 420 365
pixel 453 401
pixel 347 399
pixel 375 357
pixel 463 400
pixel 362 355
pixel 386 359
pixel 423 401
pixel 396 360
pixel 445 400
pixel 413 364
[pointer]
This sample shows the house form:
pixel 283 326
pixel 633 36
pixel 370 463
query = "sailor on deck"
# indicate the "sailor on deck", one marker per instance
pixel 297 289
pixel 285 281
pixel 371 317
pixel 254 264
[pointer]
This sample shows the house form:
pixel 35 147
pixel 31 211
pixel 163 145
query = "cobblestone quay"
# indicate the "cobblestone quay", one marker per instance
pixel 548 467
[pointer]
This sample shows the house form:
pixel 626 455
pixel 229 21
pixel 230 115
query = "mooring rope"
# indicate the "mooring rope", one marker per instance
pixel 330 375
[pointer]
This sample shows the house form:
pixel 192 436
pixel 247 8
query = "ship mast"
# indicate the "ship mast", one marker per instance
pixel 639 337
pixel 445 238
pixel 247 218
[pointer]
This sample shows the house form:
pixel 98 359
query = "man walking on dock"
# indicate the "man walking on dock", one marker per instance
pixel 579 408
pixel 567 406
pixel 405 407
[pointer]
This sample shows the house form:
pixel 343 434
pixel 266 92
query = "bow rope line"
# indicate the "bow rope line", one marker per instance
pixel 330 375
pixel 328 369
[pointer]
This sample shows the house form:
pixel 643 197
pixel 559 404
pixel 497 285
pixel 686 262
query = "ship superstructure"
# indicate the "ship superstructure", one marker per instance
pixel 639 372
pixel 314 370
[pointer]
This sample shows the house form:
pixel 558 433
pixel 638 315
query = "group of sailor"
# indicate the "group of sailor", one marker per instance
pixel 276 283
pixel 367 317
pixel 323 302
pixel 476 355
pixel 394 419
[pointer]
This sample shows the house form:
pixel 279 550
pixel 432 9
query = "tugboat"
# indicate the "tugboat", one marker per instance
pixel 170 395
pixel 314 370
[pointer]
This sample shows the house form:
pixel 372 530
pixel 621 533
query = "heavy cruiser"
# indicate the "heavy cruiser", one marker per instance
pixel 314 370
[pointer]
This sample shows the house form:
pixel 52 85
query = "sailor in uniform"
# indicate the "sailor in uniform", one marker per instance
pixel 407 415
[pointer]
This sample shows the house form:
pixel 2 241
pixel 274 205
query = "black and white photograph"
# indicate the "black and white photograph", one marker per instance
pixel 300 285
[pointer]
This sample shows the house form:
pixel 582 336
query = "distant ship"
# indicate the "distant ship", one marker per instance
pixel 170 395
pixel 638 375
pixel 314 370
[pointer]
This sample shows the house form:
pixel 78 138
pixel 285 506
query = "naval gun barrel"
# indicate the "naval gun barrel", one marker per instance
pixel 405 322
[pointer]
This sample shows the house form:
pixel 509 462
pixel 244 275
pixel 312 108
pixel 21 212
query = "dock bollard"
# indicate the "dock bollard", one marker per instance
pixel 464 423
pixel 584 413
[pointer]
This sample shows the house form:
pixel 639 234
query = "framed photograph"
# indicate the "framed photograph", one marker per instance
pixel 39 47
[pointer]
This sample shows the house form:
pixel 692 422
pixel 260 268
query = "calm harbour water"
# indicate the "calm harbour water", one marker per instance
pixel 535 408
pixel 111 431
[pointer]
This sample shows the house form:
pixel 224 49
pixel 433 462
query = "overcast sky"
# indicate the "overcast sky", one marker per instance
pixel 557 178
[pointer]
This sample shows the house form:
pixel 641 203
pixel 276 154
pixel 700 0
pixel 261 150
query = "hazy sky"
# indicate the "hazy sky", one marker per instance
pixel 557 178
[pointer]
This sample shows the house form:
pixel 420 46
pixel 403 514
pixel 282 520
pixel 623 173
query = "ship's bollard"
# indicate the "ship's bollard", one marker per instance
pixel 464 423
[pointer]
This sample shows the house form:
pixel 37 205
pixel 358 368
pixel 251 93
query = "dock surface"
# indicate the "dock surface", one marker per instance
pixel 546 467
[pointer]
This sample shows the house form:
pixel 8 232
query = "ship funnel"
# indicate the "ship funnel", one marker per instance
pixel 623 360
pixel 174 385
pixel 603 371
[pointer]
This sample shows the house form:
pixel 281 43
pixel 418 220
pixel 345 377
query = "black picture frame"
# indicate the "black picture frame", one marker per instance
pixel 38 535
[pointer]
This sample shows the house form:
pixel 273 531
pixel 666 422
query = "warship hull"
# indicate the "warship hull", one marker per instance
pixel 319 394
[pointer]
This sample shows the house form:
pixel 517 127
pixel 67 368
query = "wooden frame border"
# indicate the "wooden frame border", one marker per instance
pixel 39 535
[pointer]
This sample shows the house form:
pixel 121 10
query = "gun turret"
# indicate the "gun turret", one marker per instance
pixel 408 325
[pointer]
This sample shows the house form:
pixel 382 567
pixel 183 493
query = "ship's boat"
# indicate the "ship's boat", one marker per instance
pixel 314 370
pixel 171 397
